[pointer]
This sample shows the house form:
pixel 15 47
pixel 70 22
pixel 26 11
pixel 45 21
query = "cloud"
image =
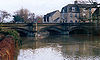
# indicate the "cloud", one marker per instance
pixel 37 6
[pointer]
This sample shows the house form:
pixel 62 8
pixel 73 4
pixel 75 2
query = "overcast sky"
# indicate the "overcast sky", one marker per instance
pixel 39 7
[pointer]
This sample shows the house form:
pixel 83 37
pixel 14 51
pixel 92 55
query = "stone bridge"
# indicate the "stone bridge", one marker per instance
pixel 53 28
pixel 25 29
pixel 67 28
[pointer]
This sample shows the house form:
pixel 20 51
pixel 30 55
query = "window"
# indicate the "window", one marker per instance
pixel 71 15
pixel 73 9
pixel 69 9
pixel 63 10
pixel 79 15
pixel 75 21
pixel 71 21
pixel 47 19
pixel 76 15
pixel 90 13
pixel 79 21
pixel 44 18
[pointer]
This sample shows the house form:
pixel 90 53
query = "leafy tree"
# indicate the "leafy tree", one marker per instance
pixel 17 18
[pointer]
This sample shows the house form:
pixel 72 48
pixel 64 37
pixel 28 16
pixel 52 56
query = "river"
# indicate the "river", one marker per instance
pixel 76 47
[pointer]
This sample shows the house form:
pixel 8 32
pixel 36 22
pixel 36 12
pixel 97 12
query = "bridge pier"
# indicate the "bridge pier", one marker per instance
pixel 30 34
pixel 65 33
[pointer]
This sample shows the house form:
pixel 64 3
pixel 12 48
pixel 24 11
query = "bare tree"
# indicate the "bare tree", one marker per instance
pixel 3 14
pixel 25 15
pixel 31 17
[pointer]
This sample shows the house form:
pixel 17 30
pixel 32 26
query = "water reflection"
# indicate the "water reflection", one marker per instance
pixel 61 48
pixel 47 53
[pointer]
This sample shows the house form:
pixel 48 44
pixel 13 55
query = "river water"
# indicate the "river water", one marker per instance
pixel 76 47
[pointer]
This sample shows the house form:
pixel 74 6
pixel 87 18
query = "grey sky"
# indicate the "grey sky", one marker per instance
pixel 39 7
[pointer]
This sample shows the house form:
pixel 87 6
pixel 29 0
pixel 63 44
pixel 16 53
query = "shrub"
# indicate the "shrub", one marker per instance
pixel 13 33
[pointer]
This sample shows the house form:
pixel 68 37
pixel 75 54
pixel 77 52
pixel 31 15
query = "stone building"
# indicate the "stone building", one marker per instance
pixel 70 13
pixel 96 16
pixel 52 17
pixel 75 13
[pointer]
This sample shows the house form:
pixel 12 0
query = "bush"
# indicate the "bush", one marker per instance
pixel 13 33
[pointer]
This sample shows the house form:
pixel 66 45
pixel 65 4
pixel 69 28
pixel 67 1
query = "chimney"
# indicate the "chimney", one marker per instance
pixel 76 2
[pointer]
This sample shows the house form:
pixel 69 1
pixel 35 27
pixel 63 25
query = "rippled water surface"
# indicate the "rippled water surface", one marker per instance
pixel 77 47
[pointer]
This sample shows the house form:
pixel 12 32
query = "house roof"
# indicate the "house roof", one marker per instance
pixel 51 13
pixel 69 8
pixel 56 19
pixel 87 6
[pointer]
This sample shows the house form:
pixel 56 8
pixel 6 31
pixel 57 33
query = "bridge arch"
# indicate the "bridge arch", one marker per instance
pixel 22 32
pixel 52 30
pixel 78 30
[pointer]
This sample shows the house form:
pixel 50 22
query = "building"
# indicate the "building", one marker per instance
pixel 70 14
pixel 53 17
pixel 86 12
pixel 96 16
pixel 75 13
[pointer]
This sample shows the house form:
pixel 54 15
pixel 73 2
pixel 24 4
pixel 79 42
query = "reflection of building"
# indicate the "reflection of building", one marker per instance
pixel 53 17
pixel 81 51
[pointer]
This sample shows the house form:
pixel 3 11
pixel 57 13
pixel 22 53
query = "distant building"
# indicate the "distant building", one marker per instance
pixel 53 17
pixel 74 13
pixel 86 12
pixel 70 14
pixel 96 16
